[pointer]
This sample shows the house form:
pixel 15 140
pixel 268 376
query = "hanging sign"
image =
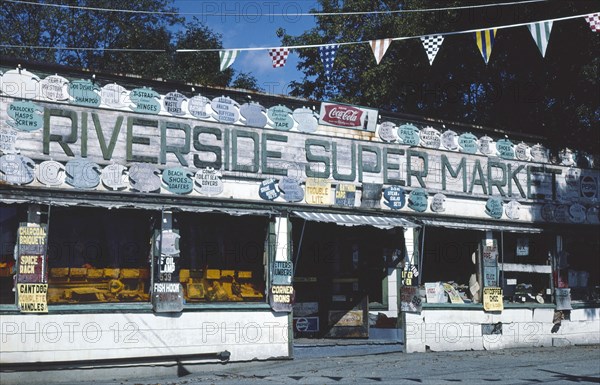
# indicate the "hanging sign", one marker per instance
pixel 173 103
pixel 417 200
pixel 345 195
pixel 450 140
pixel 281 118
pixel 27 116
pixel 317 191
pixel 114 177
pixel 387 132
pixel 208 182
pixel 144 177
pixel 468 143
pixel 410 301
pixel 282 272
pixel 291 189
pixel 409 134
pixel 32 297
pixel 512 209
pixel 178 180
pixel 198 106
pixel 307 120
pixel 394 197
pixel 55 88
pixel 16 169
pixel 492 299
pixel 84 93
pixel 8 140
pixel 539 153
pixel 522 151
pixel 430 138
pixel 268 190
pixel 32 241
pixel 226 109
pixel 505 148
pixel 281 298
pixel 494 207
pixel 438 203
pixel 254 114
pixel 145 101
pixel 114 95
pixel 486 145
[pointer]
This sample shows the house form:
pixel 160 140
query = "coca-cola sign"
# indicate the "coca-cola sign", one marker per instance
pixel 342 115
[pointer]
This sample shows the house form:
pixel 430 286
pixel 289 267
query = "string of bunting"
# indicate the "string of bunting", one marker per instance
pixel 484 38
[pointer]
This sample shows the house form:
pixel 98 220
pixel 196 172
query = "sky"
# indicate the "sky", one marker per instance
pixel 252 24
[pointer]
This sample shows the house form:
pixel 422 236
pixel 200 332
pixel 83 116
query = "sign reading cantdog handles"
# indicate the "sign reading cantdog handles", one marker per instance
pixel 492 299
pixel 32 297
pixel 32 270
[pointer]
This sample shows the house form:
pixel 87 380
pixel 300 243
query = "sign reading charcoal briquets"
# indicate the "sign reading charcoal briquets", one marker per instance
pixel 31 269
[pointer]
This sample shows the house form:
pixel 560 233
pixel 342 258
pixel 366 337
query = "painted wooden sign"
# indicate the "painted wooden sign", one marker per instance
pixel 394 197
pixel 114 177
pixel 16 169
pixel 505 148
pixel 539 153
pixel 494 207
pixel 318 191
pixel 522 151
pixel 55 88
pixel 417 200
pixel 430 138
pixel 307 120
pixel 26 116
pixel 178 180
pixel 450 140
pixel 51 173
pixel 438 203
pixel 468 143
pixel 409 134
pixel 20 83
pixel 281 118
pixel 282 272
pixel 226 109
pixel 84 93
pixel 371 195
pixel 577 213
pixel 144 177
pixel 254 114
pixel 486 145
pixel 268 189
pixel 512 209
pixel 208 182
pixel 388 132
pixel 114 95
pixel 345 195
pixel 145 100
pixel 173 103
pixel 291 189
pixel 8 140
pixel 199 107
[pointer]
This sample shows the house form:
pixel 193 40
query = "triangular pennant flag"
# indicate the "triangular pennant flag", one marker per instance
pixel 327 53
pixel 227 58
pixel 485 41
pixel 379 47
pixel 432 45
pixel 279 56
pixel 541 34
pixel 594 21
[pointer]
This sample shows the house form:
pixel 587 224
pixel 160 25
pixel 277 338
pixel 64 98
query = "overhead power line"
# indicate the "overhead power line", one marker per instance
pixel 282 14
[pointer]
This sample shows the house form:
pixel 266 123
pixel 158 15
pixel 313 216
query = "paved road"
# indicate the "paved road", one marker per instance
pixel 376 364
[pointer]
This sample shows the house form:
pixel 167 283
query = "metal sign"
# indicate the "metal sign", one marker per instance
pixel 589 187
pixel 173 103
pixel 409 134
pixel 281 298
pixel 347 116
pixel 387 132
pixel 512 209
pixel 144 177
pixel 345 195
pixel 84 93
pixel 494 207
pixel 430 138
pixel 16 169
pixel 114 177
pixel 438 203
pixel 307 120
pixel 254 114
pixel 394 197
pixel 198 106
pixel 486 145
pixel 291 189
pixel 178 180
pixel 281 118
pixel 522 151
pixel 208 182
pixel 145 100
pixel 450 140
pixel 417 200
pixel 467 143
pixel 51 173
pixel 226 110
pixel 114 95
pixel 505 148
pixel 55 88
pixel 27 116
pixel 268 190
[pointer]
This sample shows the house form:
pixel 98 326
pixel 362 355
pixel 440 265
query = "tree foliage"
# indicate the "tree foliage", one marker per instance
pixel 154 25
pixel 557 97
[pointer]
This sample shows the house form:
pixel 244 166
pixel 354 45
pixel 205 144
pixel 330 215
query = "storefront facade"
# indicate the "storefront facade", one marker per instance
pixel 141 222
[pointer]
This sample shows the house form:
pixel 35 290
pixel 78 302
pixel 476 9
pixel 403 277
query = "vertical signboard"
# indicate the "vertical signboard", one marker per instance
pixel 492 299
pixel 31 279
pixel 167 293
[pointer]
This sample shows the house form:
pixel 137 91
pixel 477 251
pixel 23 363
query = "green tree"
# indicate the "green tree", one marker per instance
pixel 556 97
pixel 141 42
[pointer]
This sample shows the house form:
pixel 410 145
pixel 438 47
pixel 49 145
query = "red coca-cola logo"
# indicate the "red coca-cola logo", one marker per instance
pixel 345 116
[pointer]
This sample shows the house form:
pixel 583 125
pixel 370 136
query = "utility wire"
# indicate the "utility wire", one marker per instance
pixel 284 14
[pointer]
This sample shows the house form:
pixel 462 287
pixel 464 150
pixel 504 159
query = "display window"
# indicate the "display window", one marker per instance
pixel 579 266
pixel 98 255
pixel 222 257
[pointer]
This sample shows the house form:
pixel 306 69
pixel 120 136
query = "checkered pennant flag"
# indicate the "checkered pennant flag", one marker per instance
pixel 379 48
pixel 279 56
pixel 227 58
pixel 541 34
pixel 327 53
pixel 432 45
pixel 594 21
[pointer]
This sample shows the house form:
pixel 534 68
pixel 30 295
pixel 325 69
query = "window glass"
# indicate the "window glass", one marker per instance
pixel 9 222
pixel 222 257
pixel 98 255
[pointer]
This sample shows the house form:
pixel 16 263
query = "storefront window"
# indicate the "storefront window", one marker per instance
pixel 579 267
pixel 222 257
pixel 98 255
pixel 9 222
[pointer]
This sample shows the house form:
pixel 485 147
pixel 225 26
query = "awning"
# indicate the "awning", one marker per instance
pixel 483 226
pixel 382 222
